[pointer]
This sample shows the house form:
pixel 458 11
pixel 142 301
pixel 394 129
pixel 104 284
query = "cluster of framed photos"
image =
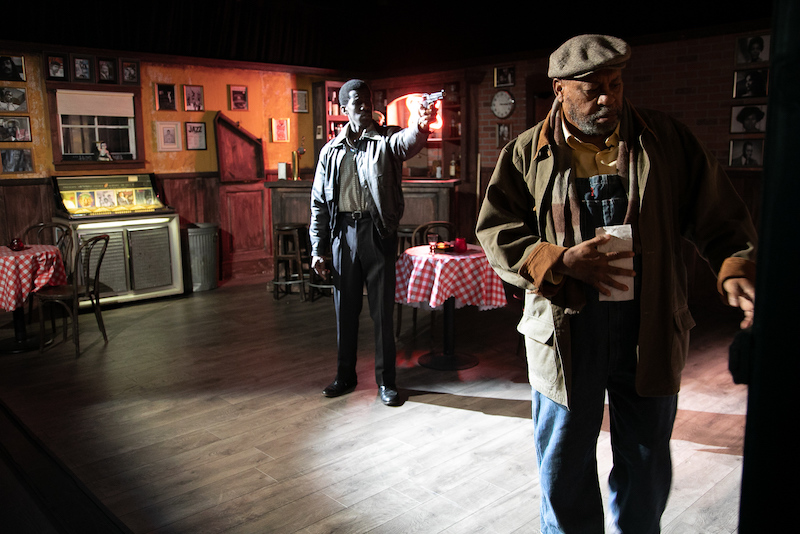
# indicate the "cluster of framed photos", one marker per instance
pixel 749 111
pixel 85 68
pixel 15 123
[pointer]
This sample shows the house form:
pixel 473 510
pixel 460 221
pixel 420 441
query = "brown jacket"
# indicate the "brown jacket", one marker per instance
pixel 684 193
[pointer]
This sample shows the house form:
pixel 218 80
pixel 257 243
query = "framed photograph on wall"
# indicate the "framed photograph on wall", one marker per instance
pixel 299 101
pixel 746 153
pixel 196 136
pixel 15 129
pixel 168 136
pixel 749 119
pixel 503 76
pixel 750 83
pixel 16 160
pixel 165 97
pixel 752 49
pixel 237 97
pixel 107 70
pixel 13 99
pixel 12 68
pixel 130 71
pixel 503 134
pixel 280 130
pixel 56 67
pixel 193 98
pixel 82 68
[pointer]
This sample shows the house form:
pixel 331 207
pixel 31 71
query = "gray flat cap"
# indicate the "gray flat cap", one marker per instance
pixel 585 54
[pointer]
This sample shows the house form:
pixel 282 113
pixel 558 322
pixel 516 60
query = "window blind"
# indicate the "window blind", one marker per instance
pixel 94 103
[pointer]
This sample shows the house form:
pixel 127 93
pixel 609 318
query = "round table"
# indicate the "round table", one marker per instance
pixel 450 280
pixel 23 272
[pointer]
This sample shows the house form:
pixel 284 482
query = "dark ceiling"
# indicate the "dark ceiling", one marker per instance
pixel 377 36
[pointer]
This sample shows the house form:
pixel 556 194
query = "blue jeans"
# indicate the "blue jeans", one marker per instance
pixel 604 339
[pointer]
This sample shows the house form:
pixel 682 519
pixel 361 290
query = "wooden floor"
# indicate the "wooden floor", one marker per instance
pixel 204 414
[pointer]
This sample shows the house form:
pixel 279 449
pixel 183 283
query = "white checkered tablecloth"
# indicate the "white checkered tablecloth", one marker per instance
pixel 425 278
pixel 28 270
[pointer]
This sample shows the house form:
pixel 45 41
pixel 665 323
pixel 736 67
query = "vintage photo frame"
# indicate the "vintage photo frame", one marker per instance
pixel 56 67
pixel 12 68
pixel 746 153
pixel 749 119
pixel 299 101
pixel 129 71
pixel 16 160
pixel 13 99
pixel 15 129
pixel 82 68
pixel 193 98
pixel 107 70
pixel 168 136
pixel 750 83
pixel 504 76
pixel 238 98
pixel 753 49
pixel 165 97
pixel 503 133
pixel 280 129
pixel 196 136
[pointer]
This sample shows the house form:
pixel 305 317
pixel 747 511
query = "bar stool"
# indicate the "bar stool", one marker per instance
pixel 290 258
pixel 318 286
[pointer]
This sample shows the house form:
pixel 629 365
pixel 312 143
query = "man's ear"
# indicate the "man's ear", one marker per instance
pixel 558 89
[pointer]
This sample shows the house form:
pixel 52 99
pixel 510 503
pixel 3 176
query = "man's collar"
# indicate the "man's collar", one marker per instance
pixel 369 133
pixel 574 142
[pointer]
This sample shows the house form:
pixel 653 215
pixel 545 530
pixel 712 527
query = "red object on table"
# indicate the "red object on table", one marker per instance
pixel 452 280
pixel 22 272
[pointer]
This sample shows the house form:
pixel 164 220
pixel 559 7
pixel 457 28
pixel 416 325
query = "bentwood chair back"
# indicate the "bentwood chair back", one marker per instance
pixel 84 283
pixel 445 229
pixel 50 233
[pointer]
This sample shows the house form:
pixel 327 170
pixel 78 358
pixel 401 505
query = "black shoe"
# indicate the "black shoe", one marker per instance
pixel 337 388
pixel 389 395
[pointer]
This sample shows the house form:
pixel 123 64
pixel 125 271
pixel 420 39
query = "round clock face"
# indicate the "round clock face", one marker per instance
pixel 502 104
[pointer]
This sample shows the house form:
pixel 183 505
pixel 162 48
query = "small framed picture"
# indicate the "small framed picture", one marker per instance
pixel 129 69
pixel 15 129
pixel 168 136
pixel 748 153
pixel 82 68
pixel 503 76
pixel 165 97
pixel 196 136
pixel 503 134
pixel 13 99
pixel 299 101
pixel 280 130
pixel 106 70
pixel 751 83
pixel 12 68
pixel 193 98
pixel 57 67
pixel 16 160
pixel 749 119
pixel 752 49
pixel 237 97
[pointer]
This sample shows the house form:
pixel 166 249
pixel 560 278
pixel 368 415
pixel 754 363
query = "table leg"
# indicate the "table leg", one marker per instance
pixel 448 360
pixel 21 342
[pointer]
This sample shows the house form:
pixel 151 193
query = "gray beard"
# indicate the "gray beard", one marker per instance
pixel 588 125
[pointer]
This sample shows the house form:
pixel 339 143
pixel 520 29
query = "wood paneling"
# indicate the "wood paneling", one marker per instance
pixel 245 229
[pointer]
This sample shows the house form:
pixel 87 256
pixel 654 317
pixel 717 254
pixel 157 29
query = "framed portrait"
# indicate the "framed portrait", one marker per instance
pixel 503 76
pixel 746 153
pixel 56 67
pixel 15 129
pixel 193 98
pixel 196 136
pixel 165 97
pixel 82 68
pixel 750 83
pixel 13 99
pixel 503 134
pixel 237 97
pixel 129 71
pixel 299 101
pixel 107 70
pixel 168 136
pixel 752 49
pixel 16 160
pixel 12 68
pixel 749 119
pixel 280 130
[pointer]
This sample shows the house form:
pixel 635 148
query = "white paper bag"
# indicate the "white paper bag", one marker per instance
pixel 621 240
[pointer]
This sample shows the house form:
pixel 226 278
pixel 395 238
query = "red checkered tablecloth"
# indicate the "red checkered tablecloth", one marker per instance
pixel 28 270
pixel 423 277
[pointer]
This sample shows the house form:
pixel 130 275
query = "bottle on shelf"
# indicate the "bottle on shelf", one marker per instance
pixel 453 168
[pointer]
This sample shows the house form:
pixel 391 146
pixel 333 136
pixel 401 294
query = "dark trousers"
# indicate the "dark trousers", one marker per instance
pixel 361 256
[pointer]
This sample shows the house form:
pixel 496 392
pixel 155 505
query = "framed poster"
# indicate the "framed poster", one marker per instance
pixel 237 97
pixel 13 99
pixel 168 136
pixel 106 70
pixel 193 98
pixel 746 153
pixel 130 71
pixel 165 97
pixel 280 130
pixel 15 129
pixel 752 49
pixel 751 83
pixel 299 101
pixel 12 68
pixel 503 76
pixel 82 68
pixel 749 119
pixel 196 136
pixel 57 67
pixel 16 160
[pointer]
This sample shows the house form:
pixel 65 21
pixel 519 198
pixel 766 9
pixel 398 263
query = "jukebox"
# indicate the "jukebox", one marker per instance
pixel 143 259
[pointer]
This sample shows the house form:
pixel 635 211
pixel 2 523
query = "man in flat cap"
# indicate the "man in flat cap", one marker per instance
pixel 587 212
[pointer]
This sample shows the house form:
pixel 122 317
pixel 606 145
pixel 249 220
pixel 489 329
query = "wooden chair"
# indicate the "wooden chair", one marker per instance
pixel 84 283
pixel 51 233
pixel 291 261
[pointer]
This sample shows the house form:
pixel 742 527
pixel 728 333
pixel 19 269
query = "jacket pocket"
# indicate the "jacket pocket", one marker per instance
pixel 536 324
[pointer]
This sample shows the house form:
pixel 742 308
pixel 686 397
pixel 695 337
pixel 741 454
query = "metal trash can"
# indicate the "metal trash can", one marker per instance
pixel 202 240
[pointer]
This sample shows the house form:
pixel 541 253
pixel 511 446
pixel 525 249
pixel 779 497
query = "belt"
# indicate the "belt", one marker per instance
pixel 355 215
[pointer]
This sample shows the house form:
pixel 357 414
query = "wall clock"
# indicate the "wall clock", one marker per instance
pixel 502 104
